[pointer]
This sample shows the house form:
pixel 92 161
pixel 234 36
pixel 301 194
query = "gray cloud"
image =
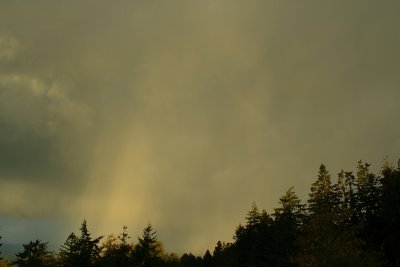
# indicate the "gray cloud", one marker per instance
pixel 183 113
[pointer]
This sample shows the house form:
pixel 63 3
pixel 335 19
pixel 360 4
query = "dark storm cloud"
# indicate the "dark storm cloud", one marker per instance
pixel 186 112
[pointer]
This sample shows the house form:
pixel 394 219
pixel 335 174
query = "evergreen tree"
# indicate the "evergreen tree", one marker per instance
pixel 368 193
pixel 253 241
pixel 207 259
pixel 245 238
pixel 82 251
pixel 253 218
pixel 0 251
pixel 321 197
pixel 148 251
pixel 288 220
pixel 35 254
pixel 69 255
pixel 291 208
pixel 369 206
pixel 344 199
pixel 124 251
pixel 351 198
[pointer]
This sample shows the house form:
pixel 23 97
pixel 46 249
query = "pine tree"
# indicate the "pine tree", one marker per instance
pixel 69 255
pixel 82 251
pixel 291 207
pixel 368 193
pixel 148 251
pixel 253 217
pixel 351 198
pixel 288 220
pixel 344 200
pixel 207 259
pixel 124 250
pixel 90 249
pixel 321 197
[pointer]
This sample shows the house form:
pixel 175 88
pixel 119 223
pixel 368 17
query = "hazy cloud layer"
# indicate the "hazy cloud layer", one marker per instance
pixel 184 112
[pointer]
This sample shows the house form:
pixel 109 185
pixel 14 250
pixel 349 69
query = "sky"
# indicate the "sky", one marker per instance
pixel 182 113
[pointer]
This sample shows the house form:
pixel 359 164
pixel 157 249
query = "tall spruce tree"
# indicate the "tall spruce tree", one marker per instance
pixel 69 254
pixel 321 197
pixel 148 251
pixel 82 251
pixel 288 220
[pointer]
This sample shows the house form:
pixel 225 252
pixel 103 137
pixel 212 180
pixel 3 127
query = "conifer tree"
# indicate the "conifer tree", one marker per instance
pixel 291 207
pixel 207 259
pixel 253 217
pixel 69 255
pixel 148 251
pixel 288 220
pixel 82 251
pixel 368 193
pixel 321 197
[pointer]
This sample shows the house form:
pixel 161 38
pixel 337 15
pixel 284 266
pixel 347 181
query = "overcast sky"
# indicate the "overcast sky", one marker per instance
pixel 182 113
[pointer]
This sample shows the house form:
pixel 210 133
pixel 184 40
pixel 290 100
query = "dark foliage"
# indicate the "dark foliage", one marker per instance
pixel 80 251
pixel 35 254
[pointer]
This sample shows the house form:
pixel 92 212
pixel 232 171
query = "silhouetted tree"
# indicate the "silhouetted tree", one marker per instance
pixel 288 220
pixel 148 250
pixel 368 193
pixel 253 242
pixel 207 259
pixel 321 197
pixel 82 251
pixel 116 250
pixel 189 260
pixel 346 198
pixel 368 205
pixel 35 254
pixel 69 255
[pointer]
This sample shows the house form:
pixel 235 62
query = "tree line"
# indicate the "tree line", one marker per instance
pixel 353 220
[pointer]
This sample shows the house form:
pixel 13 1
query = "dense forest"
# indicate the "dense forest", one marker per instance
pixel 353 220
